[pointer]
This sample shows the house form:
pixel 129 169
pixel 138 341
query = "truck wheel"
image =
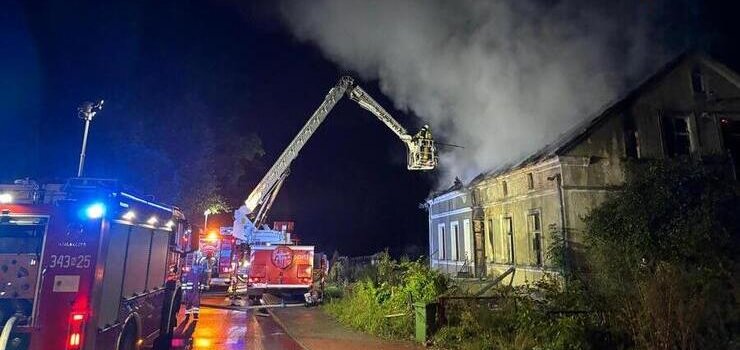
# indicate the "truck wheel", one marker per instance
pixel 128 338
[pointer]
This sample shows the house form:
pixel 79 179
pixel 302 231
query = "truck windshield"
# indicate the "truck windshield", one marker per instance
pixel 21 235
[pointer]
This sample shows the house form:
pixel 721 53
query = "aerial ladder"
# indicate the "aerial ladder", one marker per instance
pixel 249 219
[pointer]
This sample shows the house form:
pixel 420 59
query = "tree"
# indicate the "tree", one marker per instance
pixel 663 255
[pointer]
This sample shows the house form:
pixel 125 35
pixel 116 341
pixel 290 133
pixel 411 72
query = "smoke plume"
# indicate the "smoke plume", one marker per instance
pixel 502 78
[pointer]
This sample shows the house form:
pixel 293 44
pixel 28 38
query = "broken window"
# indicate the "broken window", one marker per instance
pixel 530 181
pixel 631 138
pixel 676 136
pixel 504 188
pixel 491 238
pixel 697 82
pixel 509 230
pixel 731 141
pixel 535 230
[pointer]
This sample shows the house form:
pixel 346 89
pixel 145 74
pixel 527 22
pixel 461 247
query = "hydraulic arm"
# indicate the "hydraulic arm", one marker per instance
pixel 420 147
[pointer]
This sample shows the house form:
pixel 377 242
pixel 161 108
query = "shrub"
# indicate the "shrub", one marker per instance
pixel 389 291
pixel 538 316
pixel 663 254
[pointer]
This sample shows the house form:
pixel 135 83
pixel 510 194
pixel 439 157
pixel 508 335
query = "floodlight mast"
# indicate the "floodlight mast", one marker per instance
pixel 422 153
pixel 86 112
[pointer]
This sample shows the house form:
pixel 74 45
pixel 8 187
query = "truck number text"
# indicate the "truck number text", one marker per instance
pixel 69 261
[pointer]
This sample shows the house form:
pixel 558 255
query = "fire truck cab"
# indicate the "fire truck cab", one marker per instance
pixel 86 265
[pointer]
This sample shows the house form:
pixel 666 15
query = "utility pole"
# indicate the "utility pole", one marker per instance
pixel 86 112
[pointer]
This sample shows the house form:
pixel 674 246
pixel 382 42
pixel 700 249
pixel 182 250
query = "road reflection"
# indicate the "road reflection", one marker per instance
pixel 226 328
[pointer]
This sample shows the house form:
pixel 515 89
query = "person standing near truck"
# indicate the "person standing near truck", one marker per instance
pixel 195 280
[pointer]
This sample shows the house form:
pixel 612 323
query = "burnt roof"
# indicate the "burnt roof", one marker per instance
pixel 456 185
pixel 572 137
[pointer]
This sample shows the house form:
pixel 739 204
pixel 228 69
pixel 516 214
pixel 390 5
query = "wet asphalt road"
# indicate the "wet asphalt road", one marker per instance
pixel 231 329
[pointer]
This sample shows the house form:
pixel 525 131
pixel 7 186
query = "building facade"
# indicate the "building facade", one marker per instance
pixel 451 247
pixel 689 108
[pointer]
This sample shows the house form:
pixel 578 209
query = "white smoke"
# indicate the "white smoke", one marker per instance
pixel 502 78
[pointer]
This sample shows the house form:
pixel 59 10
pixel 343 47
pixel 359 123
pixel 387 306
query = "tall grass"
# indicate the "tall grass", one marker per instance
pixel 381 302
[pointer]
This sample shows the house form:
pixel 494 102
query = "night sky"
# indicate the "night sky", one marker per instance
pixel 167 68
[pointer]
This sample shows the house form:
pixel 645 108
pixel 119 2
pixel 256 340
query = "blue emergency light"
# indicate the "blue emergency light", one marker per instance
pixel 95 211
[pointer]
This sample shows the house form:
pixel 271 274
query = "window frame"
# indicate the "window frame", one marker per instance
pixel 454 241
pixel 670 137
pixel 441 241
pixel 509 232
pixel 534 226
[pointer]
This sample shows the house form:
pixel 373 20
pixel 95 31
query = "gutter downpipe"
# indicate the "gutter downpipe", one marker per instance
pixel 561 196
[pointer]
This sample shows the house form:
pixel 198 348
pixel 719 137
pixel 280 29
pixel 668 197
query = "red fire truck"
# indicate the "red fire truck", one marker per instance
pixel 280 268
pixel 219 247
pixel 85 265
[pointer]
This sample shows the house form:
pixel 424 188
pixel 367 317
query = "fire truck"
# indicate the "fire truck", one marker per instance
pixel 220 248
pixel 291 261
pixel 277 263
pixel 87 265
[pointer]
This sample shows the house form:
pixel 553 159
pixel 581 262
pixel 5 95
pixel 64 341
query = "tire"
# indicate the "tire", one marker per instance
pixel 169 321
pixel 128 338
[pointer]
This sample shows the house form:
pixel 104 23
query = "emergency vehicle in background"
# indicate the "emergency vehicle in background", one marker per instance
pixel 87 265
pixel 291 265
pixel 277 264
pixel 219 248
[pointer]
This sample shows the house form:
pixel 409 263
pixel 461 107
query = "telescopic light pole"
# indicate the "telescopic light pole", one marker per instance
pixel 86 112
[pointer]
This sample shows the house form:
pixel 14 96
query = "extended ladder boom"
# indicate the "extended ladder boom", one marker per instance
pixel 282 164
pixel 359 95
pixel 421 153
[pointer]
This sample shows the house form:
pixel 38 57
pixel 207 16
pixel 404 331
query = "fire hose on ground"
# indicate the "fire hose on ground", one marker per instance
pixel 5 335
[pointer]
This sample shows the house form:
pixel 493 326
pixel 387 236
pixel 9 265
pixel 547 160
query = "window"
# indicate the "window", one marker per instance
pixel 535 231
pixel 631 138
pixel 504 188
pixel 465 238
pixel 509 230
pixel 491 239
pixel 454 232
pixel 676 136
pixel 441 241
pixel 697 82
pixel 731 140
pixel 530 181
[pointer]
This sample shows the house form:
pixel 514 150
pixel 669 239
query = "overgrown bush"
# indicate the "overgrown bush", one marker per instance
pixel 381 302
pixel 663 256
pixel 543 315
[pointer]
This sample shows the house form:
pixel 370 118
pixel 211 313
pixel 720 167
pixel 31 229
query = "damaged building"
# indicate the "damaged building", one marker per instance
pixel 690 107
pixel 450 231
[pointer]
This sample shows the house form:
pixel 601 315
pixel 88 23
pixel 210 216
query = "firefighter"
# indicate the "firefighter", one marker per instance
pixel 194 284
